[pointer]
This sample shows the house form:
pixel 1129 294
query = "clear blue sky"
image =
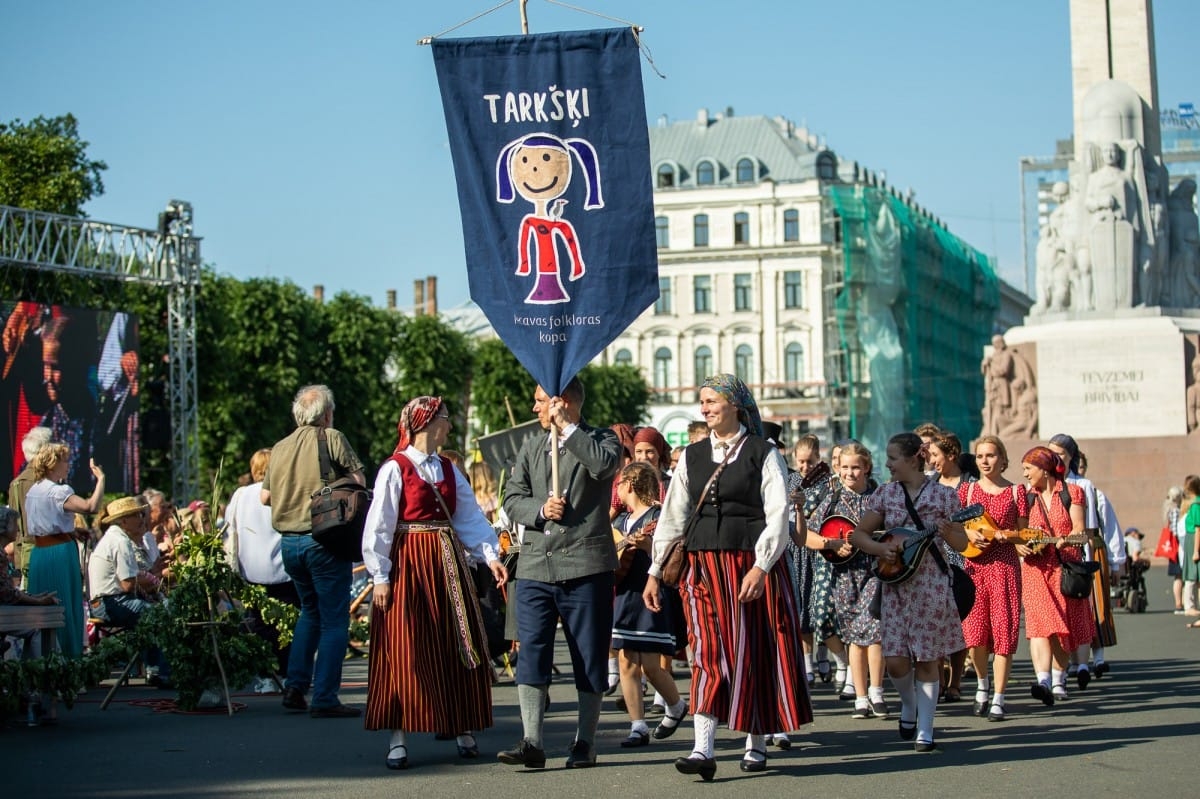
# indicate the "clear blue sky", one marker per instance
pixel 309 135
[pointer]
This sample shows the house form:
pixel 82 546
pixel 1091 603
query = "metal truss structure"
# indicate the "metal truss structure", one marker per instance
pixel 169 256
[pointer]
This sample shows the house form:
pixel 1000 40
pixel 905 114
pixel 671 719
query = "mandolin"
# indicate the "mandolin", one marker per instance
pixel 1032 537
pixel 913 546
pixel 836 529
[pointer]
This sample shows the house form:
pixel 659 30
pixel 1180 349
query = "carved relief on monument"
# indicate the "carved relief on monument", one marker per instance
pixel 1010 407
pixel 1117 238
pixel 1191 349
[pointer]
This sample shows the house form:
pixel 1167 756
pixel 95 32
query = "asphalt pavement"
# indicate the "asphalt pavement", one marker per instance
pixel 1135 730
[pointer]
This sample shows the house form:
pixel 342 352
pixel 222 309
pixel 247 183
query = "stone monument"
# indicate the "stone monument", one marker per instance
pixel 1110 353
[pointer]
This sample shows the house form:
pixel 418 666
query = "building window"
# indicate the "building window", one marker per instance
pixel 703 362
pixel 702 293
pixel 793 289
pixel 623 356
pixel 706 174
pixel 741 228
pixel 666 176
pixel 745 171
pixel 662 232
pixel 700 230
pixel 791 225
pixel 826 166
pixel 743 363
pixel 743 292
pixel 793 362
pixel 663 304
pixel 662 368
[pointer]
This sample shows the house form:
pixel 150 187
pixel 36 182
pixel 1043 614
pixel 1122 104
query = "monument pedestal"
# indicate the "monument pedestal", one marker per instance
pixel 1120 386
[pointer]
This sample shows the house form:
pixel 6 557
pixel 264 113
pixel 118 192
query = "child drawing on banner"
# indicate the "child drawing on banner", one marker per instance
pixel 539 166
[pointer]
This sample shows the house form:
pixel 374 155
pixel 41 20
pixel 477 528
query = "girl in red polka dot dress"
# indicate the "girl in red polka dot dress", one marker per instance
pixel 993 625
pixel 1054 624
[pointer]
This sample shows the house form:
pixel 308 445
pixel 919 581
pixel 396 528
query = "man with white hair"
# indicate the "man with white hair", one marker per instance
pixel 322 581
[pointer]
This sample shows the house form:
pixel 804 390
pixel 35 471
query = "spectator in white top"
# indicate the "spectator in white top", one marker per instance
pixel 254 550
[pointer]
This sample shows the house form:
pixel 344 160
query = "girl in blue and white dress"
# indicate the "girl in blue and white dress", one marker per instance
pixel 639 635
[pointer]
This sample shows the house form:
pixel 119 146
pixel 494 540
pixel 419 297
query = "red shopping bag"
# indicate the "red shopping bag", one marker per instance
pixel 1168 545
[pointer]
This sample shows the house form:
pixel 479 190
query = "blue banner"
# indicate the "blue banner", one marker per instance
pixel 552 159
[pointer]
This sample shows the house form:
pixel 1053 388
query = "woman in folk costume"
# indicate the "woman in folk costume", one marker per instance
pixel 429 668
pixel 742 619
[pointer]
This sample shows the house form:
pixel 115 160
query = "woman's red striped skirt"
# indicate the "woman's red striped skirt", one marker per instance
pixel 418 679
pixel 748 669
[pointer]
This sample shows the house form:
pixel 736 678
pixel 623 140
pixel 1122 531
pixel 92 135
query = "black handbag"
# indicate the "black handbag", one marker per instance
pixel 338 510
pixel 1075 580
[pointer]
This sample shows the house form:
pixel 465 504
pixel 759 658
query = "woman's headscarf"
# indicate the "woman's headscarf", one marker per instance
pixel 415 417
pixel 1070 446
pixel 625 436
pixel 651 436
pixel 734 390
pixel 1045 459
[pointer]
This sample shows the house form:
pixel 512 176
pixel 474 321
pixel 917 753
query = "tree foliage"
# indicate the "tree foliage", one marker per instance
pixel 44 166
pixel 616 393
pixel 499 383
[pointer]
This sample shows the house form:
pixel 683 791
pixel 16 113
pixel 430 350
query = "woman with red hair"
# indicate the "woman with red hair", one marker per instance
pixel 429 669
pixel 1054 624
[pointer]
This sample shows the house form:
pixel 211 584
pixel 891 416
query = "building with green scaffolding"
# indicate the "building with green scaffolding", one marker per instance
pixel 848 309
pixel 908 309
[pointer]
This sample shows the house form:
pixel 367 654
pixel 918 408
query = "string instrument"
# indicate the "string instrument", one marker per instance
pixel 913 546
pixel 622 540
pixel 836 529
pixel 506 541
pixel 986 526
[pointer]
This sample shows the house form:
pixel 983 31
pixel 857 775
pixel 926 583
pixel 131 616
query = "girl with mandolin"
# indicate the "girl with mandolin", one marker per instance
pixel 918 618
pixel 993 624
pixel 1054 624
pixel 854 587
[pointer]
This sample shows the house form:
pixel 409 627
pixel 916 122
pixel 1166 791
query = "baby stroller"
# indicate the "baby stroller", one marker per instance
pixel 1133 586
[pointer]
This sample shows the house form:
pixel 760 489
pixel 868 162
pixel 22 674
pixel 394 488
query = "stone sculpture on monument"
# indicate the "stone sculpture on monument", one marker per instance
pixel 1010 393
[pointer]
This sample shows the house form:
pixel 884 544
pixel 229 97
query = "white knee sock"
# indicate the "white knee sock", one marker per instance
pixel 1058 677
pixel 927 696
pixel 905 686
pixel 753 742
pixel 706 734
pixel 398 739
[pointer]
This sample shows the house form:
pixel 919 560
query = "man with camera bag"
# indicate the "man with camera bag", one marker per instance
pixel 322 580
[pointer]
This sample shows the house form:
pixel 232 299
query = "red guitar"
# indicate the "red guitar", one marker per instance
pixel 836 532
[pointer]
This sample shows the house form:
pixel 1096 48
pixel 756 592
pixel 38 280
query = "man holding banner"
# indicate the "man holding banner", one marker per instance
pixel 552 160
pixel 565 570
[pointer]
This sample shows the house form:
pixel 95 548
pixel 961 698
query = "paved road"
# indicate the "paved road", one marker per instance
pixel 1137 730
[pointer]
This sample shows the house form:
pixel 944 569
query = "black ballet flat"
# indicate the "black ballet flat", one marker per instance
pixel 751 765
pixel 908 730
pixel 706 767
pixel 397 757
pixel 635 740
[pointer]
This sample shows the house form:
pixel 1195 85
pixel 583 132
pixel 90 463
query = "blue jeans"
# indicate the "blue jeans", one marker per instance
pixel 323 629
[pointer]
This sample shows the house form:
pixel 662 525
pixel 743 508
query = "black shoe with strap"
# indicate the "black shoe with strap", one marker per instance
pixel 706 767
pixel 753 764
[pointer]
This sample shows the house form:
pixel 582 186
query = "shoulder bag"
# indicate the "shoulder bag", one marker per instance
pixel 675 562
pixel 961 584
pixel 338 509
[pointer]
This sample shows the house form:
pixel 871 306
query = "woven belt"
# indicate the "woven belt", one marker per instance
pixel 52 540
pixel 423 527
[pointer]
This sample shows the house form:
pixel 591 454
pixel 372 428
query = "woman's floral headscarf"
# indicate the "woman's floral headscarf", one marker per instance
pixel 415 417
pixel 734 390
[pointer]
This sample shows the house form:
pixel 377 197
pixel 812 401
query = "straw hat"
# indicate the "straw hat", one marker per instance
pixel 120 508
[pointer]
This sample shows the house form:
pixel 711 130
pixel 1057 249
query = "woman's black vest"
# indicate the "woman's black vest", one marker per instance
pixel 732 515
